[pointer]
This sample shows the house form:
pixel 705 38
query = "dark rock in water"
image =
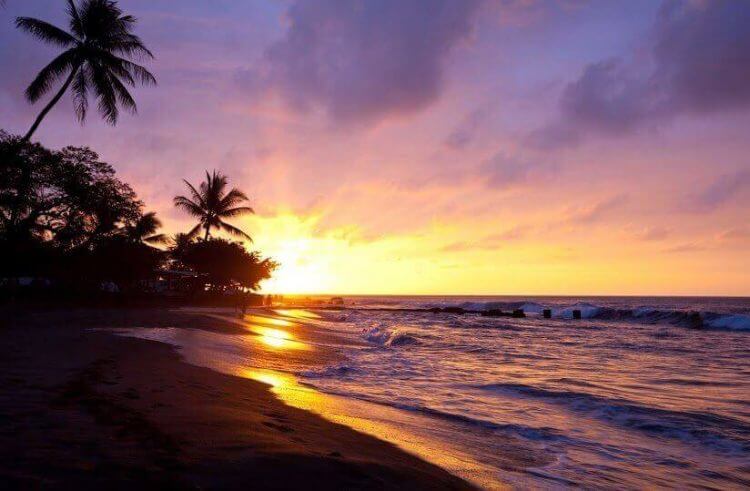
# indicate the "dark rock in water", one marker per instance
pixel 495 313
pixel 518 313
pixel 547 313
pixel 447 310
pixel 576 314
pixel 454 310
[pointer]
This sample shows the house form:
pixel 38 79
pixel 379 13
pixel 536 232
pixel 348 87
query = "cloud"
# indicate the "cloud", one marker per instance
pixel 467 129
pixel 737 233
pixel 514 233
pixel 595 212
pixel 363 61
pixel 718 193
pixel 493 241
pixel 503 171
pixel 460 247
pixel 698 63
pixel 652 233
pixel 688 247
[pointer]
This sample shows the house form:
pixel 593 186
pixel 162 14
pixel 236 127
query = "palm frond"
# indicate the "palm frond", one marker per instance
pixel 123 96
pixel 126 69
pixel 45 31
pixel 51 73
pixel 139 72
pixel 105 93
pixel 197 197
pixel 233 197
pixel 238 211
pixel 189 206
pixel 81 84
pixel 232 230
pixel 156 239
pixel 194 231
pixel 131 45
pixel 75 20
pixel 148 223
pixel 215 184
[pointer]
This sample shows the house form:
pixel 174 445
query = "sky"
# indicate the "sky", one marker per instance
pixel 548 147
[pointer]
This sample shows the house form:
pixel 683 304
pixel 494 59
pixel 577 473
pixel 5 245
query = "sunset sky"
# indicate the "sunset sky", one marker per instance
pixel 442 147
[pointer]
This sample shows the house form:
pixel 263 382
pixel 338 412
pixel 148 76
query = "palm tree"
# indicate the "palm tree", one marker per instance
pixel 144 230
pixel 211 205
pixel 97 60
pixel 179 248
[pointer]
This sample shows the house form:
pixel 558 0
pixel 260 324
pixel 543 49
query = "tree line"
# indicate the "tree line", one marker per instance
pixel 66 220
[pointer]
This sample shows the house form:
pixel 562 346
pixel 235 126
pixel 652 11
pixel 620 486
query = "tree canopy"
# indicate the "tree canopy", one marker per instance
pixel 226 263
pixel 67 217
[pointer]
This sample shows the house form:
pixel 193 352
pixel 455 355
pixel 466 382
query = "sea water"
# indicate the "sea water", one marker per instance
pixel 634 394
pixel 638 393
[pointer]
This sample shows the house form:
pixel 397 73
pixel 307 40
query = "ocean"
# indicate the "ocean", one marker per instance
pixel 638 393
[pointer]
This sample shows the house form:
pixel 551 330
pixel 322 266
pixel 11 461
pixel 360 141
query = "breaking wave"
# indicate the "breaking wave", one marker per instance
pixel 642 314
pixel 388 337
pixel 718 433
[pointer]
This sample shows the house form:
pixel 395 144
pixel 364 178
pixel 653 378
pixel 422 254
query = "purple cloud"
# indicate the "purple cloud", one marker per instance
pixel 698 63
pixel 597 211
pixel 719 192
pixel 503 171
pixel 653 233
pixel 466 130
pixel 489 242
pixel 363 61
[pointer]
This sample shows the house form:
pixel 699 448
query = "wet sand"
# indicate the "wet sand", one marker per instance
pixel 87 409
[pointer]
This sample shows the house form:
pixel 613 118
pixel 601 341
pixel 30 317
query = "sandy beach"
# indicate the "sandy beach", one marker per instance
pixel 85 408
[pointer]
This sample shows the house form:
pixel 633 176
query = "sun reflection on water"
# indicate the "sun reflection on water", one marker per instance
pixel 273 321
pixel 297 313
pixel 379 421
pixel 277 338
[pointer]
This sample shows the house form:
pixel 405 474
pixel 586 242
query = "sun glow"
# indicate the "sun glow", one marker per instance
pixel 296 273
pixel 297 313
pixel 317 257
pixel 271 321
pixel 277 338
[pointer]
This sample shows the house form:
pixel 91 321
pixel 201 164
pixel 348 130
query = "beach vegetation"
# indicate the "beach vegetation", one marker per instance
pixel 226 264
pixel 212 204
pixel 67 219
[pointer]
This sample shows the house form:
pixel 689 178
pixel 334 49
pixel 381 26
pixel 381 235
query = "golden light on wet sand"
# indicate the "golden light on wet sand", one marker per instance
pixel 277 338
pixel 297 313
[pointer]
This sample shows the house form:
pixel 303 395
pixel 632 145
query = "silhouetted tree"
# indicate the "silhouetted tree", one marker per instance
pixel 211 204
pixel 120 260
pixel 144 230
pixel 225 263
pixel 64 214
pixel 26 173
pixel 97 60
pixel 91 203
pixel 179 245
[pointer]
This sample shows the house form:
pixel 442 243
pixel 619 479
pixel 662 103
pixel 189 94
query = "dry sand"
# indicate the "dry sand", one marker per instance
pixel 82 409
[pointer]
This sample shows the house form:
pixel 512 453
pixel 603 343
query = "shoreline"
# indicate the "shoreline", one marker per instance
pixel 297 339
pixel 87 408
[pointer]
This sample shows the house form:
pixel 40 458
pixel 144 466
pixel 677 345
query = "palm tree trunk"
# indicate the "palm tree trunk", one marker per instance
pixel 208 232
pixel 51 103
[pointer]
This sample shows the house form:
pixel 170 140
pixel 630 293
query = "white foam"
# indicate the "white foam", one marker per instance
pixel 587 311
